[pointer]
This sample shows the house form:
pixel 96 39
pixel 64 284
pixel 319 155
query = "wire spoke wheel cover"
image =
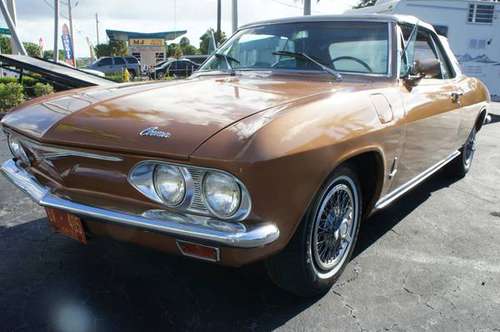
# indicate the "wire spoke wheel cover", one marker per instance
pixel 335 226
pixel 470 148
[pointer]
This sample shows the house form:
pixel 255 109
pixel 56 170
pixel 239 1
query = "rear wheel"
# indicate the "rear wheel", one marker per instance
pixel 131 74
pixel 461 165
pixel 322 246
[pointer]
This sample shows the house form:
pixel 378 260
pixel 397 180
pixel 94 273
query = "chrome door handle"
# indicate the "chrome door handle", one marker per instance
pixel 455 96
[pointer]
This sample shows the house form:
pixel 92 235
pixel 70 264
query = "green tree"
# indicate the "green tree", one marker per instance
pixel 365 3
pixel 102 50
pixel 189 50
pixel 118 47
pixel 49 55
pixel 32 49
pixel 5 45
pixel 184 42
pixel 178 52
pixel 205 40
pixel 170 49
pixel 114 48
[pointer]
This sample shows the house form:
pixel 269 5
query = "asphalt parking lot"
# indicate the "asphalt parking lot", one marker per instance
pixel 429 262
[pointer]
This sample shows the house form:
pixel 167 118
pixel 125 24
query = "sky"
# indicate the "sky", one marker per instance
pixel 35 17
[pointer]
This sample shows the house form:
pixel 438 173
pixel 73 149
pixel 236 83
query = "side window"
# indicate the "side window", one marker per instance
pixel 105 62
pixel 181 65
pixel 131 59
pixel 425 46
pixel 119 61
pixel 446 71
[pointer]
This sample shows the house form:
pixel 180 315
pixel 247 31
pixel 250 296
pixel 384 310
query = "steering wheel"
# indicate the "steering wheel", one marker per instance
pixel 361 62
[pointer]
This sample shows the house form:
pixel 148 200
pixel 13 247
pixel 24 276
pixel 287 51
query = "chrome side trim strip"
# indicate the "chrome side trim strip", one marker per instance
pixel 404 188
pixel 225 233
pixel 51 152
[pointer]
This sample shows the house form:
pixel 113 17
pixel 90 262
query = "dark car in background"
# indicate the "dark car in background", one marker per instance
pixel 117 64
pixel 174 68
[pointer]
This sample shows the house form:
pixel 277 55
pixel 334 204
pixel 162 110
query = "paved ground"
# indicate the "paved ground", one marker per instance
pixel 430 262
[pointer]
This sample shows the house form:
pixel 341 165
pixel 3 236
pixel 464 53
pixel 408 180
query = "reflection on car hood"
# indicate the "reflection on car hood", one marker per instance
pixel 190 111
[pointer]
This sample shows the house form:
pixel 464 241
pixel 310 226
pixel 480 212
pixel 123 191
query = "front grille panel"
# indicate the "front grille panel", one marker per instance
pixel 197 203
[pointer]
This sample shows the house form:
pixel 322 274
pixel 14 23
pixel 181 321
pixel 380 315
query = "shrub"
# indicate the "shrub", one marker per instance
pixel 11 95
pixel 41 89
pixel 117 77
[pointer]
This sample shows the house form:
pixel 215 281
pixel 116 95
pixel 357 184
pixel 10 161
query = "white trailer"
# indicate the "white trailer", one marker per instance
pixel 471 26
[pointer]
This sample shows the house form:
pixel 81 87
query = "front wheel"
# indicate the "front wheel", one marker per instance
pixel 322 246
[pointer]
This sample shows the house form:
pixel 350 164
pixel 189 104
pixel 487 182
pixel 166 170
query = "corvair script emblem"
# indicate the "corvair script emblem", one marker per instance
pixel 155 132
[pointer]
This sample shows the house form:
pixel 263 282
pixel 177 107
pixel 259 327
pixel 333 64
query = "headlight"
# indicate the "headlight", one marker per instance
pixel 222 194
pixel 169 184
pixel 17 150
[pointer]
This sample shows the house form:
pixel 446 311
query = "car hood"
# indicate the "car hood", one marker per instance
pixel 190 112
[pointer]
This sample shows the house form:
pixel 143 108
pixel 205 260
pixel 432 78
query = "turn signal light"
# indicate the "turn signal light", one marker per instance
pixel 199 251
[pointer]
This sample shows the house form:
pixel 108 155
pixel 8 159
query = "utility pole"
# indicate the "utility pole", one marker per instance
pixel 235 15
pixel 218 18
pixel 56 31
pixel 11 6
pixel 12 28
pixel 307 7
pixel 71 33
pixel 97 27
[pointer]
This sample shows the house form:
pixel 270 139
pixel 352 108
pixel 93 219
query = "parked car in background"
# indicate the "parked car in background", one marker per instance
pixel 174 68
pixel 275 150
pixel 117 64
pixel 198 58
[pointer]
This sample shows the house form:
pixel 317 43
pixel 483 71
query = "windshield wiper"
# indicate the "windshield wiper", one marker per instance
pixel 228 59
pixel 329 70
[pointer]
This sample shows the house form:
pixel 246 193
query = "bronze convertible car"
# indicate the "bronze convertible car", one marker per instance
pixel 290 135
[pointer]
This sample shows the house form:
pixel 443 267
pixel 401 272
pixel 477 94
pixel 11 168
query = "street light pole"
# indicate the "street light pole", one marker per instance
pixel 218 18
pixel 307 7
pixel 97 27
pixel 56 31
pixel 70 16
pixel 12 28
pixel 235 15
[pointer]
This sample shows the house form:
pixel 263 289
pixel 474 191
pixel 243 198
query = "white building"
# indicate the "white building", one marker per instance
pixel 472 27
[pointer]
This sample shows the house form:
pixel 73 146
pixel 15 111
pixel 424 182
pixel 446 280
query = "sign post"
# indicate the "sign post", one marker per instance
pixel 68 50
pixel 5 31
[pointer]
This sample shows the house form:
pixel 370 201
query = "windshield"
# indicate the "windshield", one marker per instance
pixel 347 47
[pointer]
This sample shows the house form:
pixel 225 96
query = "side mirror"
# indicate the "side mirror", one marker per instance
pixel 427 68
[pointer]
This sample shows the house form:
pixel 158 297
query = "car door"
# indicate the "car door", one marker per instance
pixel 182 68
pixel 432 111
pixel 105 65
pixel 119 64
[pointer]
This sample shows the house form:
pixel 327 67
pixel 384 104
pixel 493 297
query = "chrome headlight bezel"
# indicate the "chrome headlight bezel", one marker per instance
pixel 141 177
pixel 181 192
pixel 17 150
pixel 207 192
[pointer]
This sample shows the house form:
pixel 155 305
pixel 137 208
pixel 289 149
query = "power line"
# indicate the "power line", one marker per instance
pixel 52 7
pixel 286 4
pixel 293 6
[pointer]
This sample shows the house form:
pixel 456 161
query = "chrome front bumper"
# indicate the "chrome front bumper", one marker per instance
pixel 224 233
